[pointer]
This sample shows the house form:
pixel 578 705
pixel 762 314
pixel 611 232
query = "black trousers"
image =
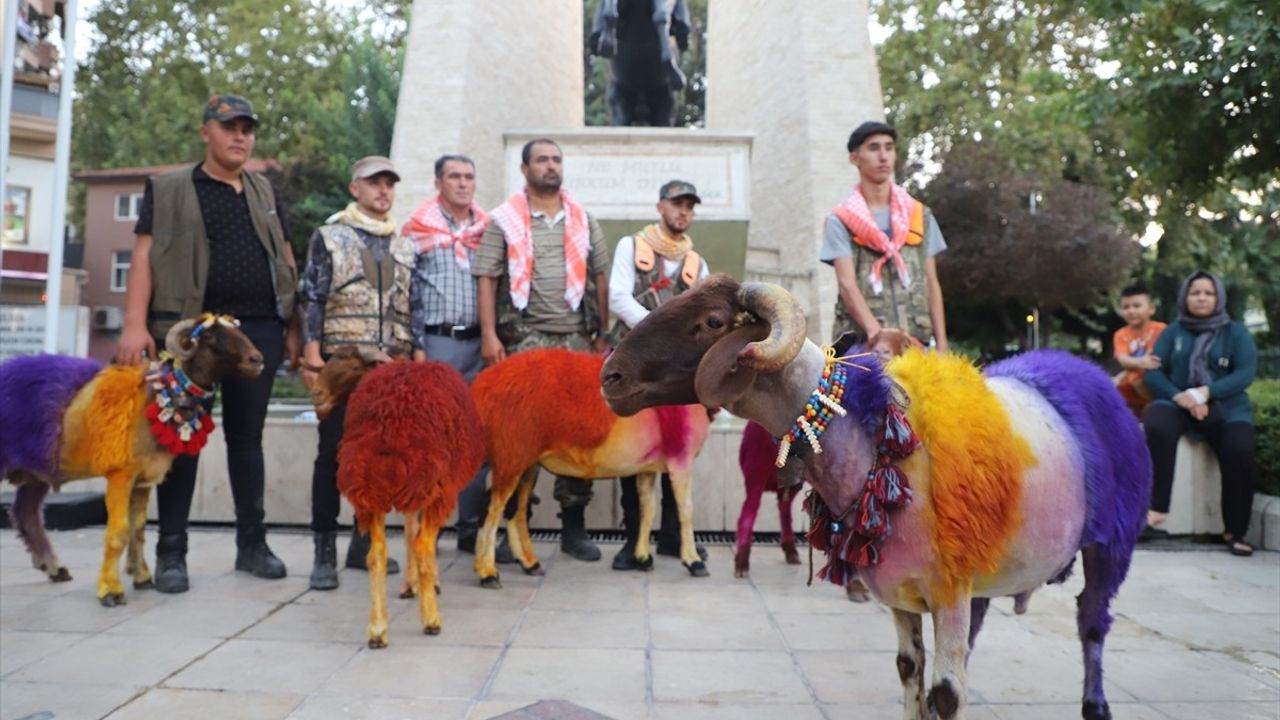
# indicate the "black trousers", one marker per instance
pixel 326 503
pixel 244 413
pixel 1232 442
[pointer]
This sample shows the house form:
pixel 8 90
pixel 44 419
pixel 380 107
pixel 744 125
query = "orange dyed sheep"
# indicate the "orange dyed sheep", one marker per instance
pixel 412 441
pixel 544 407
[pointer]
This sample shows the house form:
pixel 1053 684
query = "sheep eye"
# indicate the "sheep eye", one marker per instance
pixel 715 323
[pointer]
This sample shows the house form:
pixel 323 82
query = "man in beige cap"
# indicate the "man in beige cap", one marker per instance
pixel 356 290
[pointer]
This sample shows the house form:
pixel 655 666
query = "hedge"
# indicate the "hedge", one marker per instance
pixel 1265 395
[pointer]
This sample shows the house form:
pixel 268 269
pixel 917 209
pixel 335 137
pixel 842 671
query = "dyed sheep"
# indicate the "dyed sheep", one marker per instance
pixel 411 442
pixel 64 419
pixel 942 486
pixel 755 457
pixel 543 407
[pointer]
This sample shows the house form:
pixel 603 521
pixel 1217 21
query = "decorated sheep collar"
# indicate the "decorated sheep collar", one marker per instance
pixel 854 537
pixel 175 391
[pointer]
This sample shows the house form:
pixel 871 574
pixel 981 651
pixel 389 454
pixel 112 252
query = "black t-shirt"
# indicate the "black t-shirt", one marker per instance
pixel 239 280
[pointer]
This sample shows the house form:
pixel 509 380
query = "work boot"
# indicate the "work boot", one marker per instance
pixel 669 533
pixel 358 553
pixel 574 540
pixel 324 571
pixel 626 557
pixel 501 554
pixel 253 555
pixel 171 564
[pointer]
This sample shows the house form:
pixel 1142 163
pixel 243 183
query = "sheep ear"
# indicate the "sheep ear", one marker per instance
pixel 722 376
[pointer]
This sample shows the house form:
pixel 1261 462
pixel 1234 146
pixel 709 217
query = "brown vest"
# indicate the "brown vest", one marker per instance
pixel 368 301
pixel 649 277
pixel 179 256
pixel 895 307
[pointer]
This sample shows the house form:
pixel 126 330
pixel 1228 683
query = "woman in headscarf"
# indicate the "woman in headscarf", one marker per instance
pixel 1207 362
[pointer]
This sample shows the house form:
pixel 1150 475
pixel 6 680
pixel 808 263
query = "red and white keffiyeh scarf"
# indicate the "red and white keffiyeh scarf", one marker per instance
pixel 428 229
pixel 514 220
pixel 856 216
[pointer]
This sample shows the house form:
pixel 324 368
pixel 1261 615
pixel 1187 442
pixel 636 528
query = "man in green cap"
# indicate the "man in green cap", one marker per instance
pixel 227 224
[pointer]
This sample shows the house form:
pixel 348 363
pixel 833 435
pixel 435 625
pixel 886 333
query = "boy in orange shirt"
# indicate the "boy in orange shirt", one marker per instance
pixel 1133 344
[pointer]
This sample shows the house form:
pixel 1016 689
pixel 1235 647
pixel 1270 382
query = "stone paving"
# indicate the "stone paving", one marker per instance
pixel 1197 636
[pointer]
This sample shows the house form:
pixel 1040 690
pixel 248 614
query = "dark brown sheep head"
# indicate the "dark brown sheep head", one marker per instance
pixel 340 375
pixel 211 347
pixel 704 346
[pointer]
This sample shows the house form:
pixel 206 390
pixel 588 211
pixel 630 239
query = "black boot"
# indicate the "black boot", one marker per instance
pixel 324 572
pixel 467 544
pixel 358 553
pixel 573 538
pixel 626 557
pixel 171 564
pixel 669 534
pixel 253 555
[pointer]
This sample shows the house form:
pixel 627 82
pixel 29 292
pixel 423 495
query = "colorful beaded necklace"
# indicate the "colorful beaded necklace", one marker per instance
pixel 822 406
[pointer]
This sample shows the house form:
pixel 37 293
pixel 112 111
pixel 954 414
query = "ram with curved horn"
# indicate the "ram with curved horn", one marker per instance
pixel 941 486
pixel 64 419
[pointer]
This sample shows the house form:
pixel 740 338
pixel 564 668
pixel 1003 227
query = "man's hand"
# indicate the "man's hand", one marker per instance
pixel 491 350
pixel 293 344
pixel 600 344
pixel 1149 362
pixel 419 355
pixel 311 362
pixel 135 346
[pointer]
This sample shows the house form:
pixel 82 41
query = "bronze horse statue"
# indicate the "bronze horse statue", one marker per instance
pixel 644 73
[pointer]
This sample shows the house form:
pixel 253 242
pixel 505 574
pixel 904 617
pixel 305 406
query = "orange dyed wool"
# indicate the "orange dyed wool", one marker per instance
pixel 976 463
pixel 101 433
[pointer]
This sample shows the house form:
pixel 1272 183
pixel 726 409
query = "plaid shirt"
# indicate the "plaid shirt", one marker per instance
pixel 443 293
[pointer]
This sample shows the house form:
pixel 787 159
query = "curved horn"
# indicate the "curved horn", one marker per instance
pixel 774 305
pixel 173 341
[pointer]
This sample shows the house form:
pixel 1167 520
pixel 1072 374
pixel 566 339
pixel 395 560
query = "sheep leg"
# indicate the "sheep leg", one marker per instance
pixel 412 526
pixel 680 483
pixel 911 661
pixel 1103 573
pixel 119 488
pixel 646 486
pixel 948 696
pixel 746 525
pixel 786 496
pixel 136 560
pixel 487 538
pixel 376 523
pixel 27 513
pixel 518 527
pixel 424 557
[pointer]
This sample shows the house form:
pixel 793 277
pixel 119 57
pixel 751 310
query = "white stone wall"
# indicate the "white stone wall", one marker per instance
pixel 473 69
pixel 799 77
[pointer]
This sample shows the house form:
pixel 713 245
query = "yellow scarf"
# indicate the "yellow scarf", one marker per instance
pixel 352 216
pixel 671 248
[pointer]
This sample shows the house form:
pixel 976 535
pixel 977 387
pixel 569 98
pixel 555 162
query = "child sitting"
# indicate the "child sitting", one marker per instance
pixel 1133 344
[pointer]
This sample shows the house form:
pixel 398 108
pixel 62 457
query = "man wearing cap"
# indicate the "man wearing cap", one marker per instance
pixel 649 268
pixel 883 243
pixel 356 291
pixel 541 270
pixel 227 224
pixel 445 231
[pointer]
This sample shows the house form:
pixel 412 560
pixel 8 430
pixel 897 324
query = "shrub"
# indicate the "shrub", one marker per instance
pixel 1265 395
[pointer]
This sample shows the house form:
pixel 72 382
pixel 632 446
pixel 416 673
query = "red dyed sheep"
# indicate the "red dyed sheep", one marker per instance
pixel 412 442
pixel 544 407
pixel 756 458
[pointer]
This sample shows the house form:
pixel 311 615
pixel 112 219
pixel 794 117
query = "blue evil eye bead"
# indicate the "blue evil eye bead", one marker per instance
pixel 836 527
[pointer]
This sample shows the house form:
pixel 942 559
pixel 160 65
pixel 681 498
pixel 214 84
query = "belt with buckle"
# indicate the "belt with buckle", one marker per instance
pixel 457 332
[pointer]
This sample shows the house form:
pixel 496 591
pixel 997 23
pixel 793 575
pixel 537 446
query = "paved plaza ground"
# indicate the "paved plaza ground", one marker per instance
pixel 1197 636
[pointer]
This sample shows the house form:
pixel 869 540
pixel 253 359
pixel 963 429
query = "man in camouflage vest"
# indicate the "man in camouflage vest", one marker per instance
pixel 649 268
pixel 883 243
pixel 540 271
pixel 355 292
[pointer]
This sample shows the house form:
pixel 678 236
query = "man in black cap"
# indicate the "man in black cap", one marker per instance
pixel 356 291
pixel 227 224
pixel 649 268
pixel 882 243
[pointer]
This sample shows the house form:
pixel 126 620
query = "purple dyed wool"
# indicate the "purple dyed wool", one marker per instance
pixel 1117 464
pixel 35 391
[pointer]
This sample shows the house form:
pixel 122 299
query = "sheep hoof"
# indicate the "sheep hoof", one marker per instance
pixel 742 564
pixel 407 593
pixel 431 630
pixel 438 593
pixel 61 576
pixel 377 643
pixel 644 564
pixel 147 584
pixel 789 550
pixel 741 572
pixel 491 583
pixel 698 569
pixel 112 599
pixel 535 569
